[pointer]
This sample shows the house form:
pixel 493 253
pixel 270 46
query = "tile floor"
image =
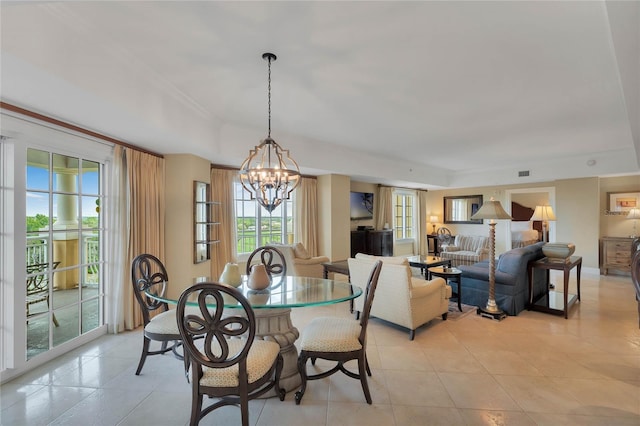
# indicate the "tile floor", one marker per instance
pixel 533 369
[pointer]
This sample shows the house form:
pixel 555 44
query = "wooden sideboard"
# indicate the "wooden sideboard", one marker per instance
pixel 615 253
pixel 377 243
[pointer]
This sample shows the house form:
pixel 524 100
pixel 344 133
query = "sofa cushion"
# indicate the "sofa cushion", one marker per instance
pixel 298 250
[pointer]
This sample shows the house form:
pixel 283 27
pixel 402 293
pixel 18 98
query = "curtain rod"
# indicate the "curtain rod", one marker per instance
pixel 68 126
pixel 402 187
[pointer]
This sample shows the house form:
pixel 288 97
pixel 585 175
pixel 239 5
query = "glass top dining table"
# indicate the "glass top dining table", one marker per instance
pixel 272 308
pixel 287 292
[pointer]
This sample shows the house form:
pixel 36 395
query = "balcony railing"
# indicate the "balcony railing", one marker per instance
pixel 38 247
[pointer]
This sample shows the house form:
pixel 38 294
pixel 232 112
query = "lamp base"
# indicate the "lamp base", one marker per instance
pixel 494 315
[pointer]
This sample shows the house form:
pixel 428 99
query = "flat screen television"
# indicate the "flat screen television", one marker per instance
pixel 361 204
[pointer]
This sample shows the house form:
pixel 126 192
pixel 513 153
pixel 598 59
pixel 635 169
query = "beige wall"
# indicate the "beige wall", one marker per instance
pixel 618 225
pixel 181 171
pixel 333 216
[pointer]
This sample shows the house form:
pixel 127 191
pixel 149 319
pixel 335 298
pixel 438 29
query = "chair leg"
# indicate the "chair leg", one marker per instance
pixel 143 356
pixel 367 364
pixel 55 321
pixel 302 369
pixel 412 334
pixel 196 408
pixel 281 392
pixel 362 367
pixel 244 409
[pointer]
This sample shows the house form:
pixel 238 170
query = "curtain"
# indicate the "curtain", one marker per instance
pixel 146 198
pixel 117 271
pixel 222 183
pixel 306 215
pixel 384 207
pixel 421 226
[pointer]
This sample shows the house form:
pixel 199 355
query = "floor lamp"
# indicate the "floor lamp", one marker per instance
pixel 545 214
pixel 492 210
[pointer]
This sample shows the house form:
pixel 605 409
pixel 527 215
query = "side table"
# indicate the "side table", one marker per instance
pixel 551 298
pixel 341 267
pixel 449 274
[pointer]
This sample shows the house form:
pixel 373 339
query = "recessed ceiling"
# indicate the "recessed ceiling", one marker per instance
pixel 420 94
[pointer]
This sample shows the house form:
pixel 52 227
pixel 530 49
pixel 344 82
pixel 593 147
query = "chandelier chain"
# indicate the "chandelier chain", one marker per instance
pixel 269 97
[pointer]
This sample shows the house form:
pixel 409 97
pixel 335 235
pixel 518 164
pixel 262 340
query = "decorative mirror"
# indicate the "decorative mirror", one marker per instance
pixel 460 209
pixel 204 223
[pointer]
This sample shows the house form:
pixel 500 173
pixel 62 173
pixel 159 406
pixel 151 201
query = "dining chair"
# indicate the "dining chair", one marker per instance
pixel 227 362
pixel 339 340
pixel 272 258
pixel 635 278
pixel 148 274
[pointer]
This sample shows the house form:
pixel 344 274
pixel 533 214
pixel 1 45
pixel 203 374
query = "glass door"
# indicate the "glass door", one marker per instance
pixel 64 258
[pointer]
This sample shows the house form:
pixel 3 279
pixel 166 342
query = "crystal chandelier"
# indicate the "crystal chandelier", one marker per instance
pixel 269 173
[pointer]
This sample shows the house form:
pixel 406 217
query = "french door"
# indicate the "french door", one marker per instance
pixel 53 193
pixel 63 248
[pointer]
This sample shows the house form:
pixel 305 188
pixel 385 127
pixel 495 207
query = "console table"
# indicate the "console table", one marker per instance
pixel 550 302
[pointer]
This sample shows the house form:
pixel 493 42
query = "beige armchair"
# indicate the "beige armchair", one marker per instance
pixel 400 298
pixel 299 263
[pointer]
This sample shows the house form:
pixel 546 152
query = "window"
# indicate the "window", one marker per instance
pixel 404 215
pixel 256 227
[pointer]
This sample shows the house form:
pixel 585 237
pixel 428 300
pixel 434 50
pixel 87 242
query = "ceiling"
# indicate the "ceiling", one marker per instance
pixel 417 94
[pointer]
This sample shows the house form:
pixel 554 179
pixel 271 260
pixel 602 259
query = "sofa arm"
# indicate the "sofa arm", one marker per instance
pixel 422 288
pixel 311 261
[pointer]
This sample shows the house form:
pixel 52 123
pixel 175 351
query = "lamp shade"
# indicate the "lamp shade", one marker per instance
pixel 433 219
pixel 544 213
pixel 491 210
pixel 633 214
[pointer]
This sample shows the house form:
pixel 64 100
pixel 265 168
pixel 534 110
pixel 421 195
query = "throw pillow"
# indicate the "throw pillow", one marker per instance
pixel 300 251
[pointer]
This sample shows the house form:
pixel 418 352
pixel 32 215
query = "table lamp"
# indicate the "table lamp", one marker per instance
pixel 492 210
pixel 635 215
pixel 545 214
pixel 433 219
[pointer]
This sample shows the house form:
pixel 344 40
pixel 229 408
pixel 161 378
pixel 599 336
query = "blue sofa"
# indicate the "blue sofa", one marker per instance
pixel 512 280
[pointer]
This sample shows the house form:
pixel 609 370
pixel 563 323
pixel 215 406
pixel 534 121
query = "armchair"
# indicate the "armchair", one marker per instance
pixel 299 263
pixel 400 298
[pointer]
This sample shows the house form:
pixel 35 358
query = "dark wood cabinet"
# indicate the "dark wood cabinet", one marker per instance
pixel 377 243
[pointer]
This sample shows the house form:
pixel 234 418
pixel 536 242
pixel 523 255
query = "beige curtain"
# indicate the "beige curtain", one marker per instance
pixel 306 215
pixel 146 199
pixel 384 207
pixel 421 227
pixel 117 268
pixel 222 183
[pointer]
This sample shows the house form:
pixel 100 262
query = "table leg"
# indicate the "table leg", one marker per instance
pixel 459 293
pixel 275 325
pixel 566 293
pixel 578 277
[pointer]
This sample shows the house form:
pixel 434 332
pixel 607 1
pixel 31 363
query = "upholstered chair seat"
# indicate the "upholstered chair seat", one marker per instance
pixel 331 334
pixel 260 359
